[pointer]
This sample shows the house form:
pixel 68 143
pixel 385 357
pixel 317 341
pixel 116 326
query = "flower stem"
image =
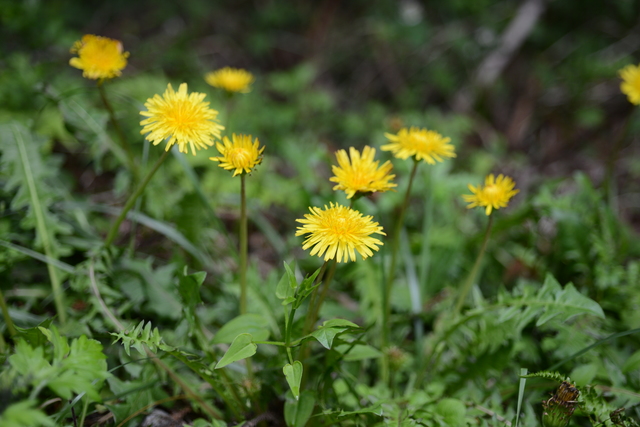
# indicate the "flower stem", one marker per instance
pixel 387 284
pixel 7 317
pixel 474 270
pixel 325 291
pixel 243 245
pixel 116 126
pixel 132 200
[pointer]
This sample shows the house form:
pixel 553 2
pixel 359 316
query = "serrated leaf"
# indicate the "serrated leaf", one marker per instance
pixel 241 348
pixel 293 374
pixel 250 323
pixel 566 303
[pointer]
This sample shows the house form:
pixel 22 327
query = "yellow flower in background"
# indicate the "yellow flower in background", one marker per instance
pixel 99 57
pixel 495 194
pixel 630 85
pixel 182 118
pixel 230 79
pixel 338 232
pixel 424 144
pixel 240 154
pixel 361 173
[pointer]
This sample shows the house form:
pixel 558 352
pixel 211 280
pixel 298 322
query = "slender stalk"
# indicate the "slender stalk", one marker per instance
pixel 243 245
pixel 314 295
pixel 116 126
pixel 132 200
pixel 325 290
pixel 474 270
pixel 7 317
pixel 387 284
pixel 41 227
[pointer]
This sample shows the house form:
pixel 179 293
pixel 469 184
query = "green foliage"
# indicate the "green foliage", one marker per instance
pixel 556 292
pixel 67 369
pixel 141 336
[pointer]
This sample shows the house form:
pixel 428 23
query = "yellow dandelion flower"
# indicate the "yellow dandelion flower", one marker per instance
pixel 495 194
pixel 99 57
pixel 240 154
pixel 338 232
pixel 630 85
pixel 181 117
pixel 424 144
pixel 230 79
pixel 361 173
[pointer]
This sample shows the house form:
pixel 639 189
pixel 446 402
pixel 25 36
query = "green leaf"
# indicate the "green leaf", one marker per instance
pixel 330 329
pixel 632 363
pixel 293 374
pixel 297 412
pixel 189 288
pixel 452 410
pixel 23 414
pixel 250 323
pixel 241 348
pixel 567 302
pixel 284 290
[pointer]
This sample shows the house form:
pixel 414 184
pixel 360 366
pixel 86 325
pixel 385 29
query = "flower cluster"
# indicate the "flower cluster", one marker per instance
pixel 99 57
pixel 630 85
pixel 180 118
pixel 338 232
pixel 239 154
pixel 422 144
pixel 230 79
pixel 361 173
pixel 495 194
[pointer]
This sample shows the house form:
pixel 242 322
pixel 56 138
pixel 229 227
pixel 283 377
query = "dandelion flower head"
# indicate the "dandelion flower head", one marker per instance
pixel 495 194
pixel 182 118
pixel 360 173
pixel 239 154
pixel 98 57
pixel 338 232
pixel 230 79
pixel 630 85
pixel 427 145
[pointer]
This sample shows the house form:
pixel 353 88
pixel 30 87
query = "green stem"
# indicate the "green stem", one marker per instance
pixel 116 126
pixel 243 245
pixel 325 290
pixel 7 317
pixel 132 200
pixel 387 284
pixel 314 295
pixel 476 266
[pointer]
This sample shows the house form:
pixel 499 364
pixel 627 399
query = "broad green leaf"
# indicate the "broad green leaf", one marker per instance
pixel 452 410
pixel 23 414
pixel 297 412
pixel 241 348
pixel 250 323
pixel 293 374
pixel 330 329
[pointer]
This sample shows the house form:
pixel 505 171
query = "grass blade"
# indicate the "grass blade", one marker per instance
pixel 41 226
